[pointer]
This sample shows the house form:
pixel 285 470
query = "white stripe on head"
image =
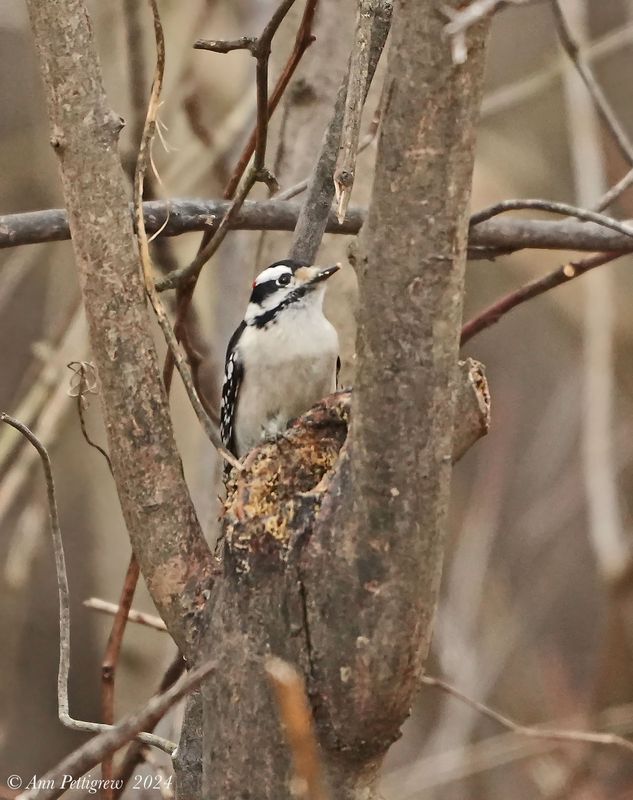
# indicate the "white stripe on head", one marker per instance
pixel 272 273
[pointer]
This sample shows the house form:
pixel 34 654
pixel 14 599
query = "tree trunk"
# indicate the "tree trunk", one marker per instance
pixel 333 544
pixel 340 573
pixel 158 511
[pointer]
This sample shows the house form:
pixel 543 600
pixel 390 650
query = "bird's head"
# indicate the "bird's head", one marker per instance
pixel 284 284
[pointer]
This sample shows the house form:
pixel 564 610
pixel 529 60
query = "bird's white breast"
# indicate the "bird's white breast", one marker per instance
pixel 288 367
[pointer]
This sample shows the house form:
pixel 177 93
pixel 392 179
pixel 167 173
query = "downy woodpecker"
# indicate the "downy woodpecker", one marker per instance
pixel 283 357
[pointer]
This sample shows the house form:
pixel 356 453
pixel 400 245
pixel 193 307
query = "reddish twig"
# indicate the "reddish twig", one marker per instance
pixel 564 274
pixel 111 660
pixel 211 242
pixel 256 147
pixel 303 40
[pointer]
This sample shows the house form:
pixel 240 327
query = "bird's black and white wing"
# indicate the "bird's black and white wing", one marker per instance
pixel 233 372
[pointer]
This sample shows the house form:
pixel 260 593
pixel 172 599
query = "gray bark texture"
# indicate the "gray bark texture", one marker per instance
pixel 336 568
pixel 174 558
pixel 486 239
pixel 332 542
pixel 274 525
pixel 380 531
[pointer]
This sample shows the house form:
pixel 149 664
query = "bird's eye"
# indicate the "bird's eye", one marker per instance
pixel 283 280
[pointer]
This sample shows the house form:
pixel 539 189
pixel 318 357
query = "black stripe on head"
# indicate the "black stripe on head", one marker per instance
pixel 262 289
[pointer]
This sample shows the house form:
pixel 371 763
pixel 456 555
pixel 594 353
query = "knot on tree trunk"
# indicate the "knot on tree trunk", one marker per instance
pixel 273 501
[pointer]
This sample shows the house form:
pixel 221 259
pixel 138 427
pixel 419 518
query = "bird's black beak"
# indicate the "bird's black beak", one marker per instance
pixel 324 274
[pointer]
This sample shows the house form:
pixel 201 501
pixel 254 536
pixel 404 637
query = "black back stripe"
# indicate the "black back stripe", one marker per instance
pixel 233 373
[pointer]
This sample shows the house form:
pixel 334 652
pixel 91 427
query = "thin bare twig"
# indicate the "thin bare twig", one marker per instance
pixel 83 383
pixel 602 105
pixel 512 94
pixel 533 732
pixel 139 617
pixel 262 55
pixel 301 186
pixel 612 194
pixel 111 659
pixel 148 133
pixel 188 275
pixel 298 728
pixel 492 752
pixel 212 240
pixel 552 207
pixel 64 601
pixel 137 751
pixel 49 426
pixel 585 107
pixel 463 19
pixel 237 192
pixel 303 40
pixel 259 48
pixel 52 785
pixel 344 171
pixel 572 269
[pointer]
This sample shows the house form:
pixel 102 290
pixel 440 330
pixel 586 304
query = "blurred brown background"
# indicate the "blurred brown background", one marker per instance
pixel 536 617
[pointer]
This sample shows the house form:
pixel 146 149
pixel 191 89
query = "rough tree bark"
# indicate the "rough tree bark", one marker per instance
pixel 337 569
pixel 330 561
pixel 379 536
pixel 161 520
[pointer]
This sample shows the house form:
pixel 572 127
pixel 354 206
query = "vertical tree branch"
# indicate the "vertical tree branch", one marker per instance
pixel 316 206
pixel 354 103
pixel 160 517
pixel 303 544
pixel 379 537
